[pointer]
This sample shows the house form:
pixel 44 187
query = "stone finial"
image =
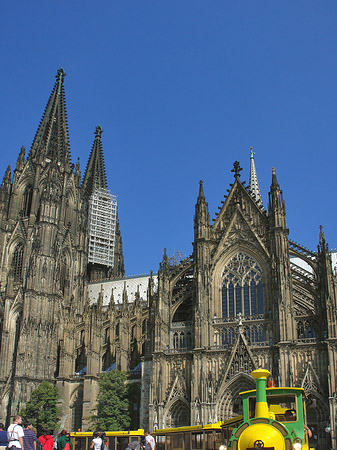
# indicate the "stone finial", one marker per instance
pixel 98 131
pixel 60 74
pixel 237 169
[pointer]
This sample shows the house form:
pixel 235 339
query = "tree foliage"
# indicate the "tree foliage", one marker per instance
pixel 112 402
pixel 41 408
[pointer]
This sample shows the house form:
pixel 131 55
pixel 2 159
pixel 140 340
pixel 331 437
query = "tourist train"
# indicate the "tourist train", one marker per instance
pixel 274 418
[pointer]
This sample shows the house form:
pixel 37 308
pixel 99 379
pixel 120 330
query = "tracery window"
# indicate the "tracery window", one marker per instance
pixel 242 290
pixel 17 262
pixel 27 201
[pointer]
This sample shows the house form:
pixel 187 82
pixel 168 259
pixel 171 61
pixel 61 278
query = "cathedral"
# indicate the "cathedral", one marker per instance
pixel 188 335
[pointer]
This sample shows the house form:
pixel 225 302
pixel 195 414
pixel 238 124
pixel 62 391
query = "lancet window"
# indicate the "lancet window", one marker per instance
pixel 17 262
pixel 27 201
pixel 242 290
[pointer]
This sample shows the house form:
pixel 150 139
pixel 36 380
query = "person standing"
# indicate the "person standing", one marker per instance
pixel 29 437
pixel 46 440
pixel 96 443
pixel 15 434
pixel 3 437
pixel 63 441
pixel 150 443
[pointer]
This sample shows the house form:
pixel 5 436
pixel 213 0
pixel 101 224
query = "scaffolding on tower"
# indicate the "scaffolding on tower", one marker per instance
pixel 102 220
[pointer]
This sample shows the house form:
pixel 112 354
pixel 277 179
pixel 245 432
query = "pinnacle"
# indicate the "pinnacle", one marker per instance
pixel 253 181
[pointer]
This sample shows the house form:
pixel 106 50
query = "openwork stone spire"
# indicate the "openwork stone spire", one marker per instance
pixel 51 140
pixel 95 176
pixel 253 182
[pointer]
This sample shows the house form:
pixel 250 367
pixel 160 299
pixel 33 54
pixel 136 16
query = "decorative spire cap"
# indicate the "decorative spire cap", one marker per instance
pixel 60 75
pixel 98 131
pixel 201 189
pixel 237 169
pixel 274 179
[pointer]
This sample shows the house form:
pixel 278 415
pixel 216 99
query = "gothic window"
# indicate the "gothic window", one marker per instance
pixel 228 335
pixel 117 330
pixel 17 262
pixel 306 329
pixel 27 201
pixel 242 290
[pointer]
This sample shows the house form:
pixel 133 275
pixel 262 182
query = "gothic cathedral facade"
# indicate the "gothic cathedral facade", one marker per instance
pixel 189 335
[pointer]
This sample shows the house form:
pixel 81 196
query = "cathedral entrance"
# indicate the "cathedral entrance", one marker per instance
pixel 179 415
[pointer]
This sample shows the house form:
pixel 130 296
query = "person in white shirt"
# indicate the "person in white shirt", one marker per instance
pixel 149 441
pixel 96 443
pixel 15 434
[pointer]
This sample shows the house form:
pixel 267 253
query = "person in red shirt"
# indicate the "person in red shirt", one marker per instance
pixel 46 440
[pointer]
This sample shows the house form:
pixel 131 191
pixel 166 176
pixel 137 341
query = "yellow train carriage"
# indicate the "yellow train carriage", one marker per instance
pixel 197 437
pixel 118 440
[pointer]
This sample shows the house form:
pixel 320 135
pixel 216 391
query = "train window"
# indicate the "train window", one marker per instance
pixel 177 441
pixel 284 407
pixel 160 442
pixel 219 438
pixel 112 442
pixel 209 441
pixel 197 441
pixel 122 443
pixel 187 441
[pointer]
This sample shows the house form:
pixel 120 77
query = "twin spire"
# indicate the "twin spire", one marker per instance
pixel 51 141
pixel 95 176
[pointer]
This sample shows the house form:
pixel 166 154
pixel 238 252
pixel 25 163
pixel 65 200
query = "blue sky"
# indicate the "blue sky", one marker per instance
pixel 182 89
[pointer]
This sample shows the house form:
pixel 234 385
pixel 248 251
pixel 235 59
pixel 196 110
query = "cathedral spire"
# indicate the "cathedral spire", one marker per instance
pixel 51 139
pixel 95 176
pixel 253 182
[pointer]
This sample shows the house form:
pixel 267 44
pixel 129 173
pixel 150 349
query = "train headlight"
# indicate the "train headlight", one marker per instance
pixel 297 445
pixel 223 447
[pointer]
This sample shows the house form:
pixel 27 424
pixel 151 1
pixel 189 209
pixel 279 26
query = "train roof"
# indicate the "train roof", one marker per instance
pixel 276 390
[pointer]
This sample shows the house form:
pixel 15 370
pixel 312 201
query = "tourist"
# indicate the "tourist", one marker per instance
pixel 96 443
pixel 46 440
pixel 149 441
pixel 3 437
pixel 105 441
pixel 63 441
pixel 134 445
pixel 29 437
pixel 15 434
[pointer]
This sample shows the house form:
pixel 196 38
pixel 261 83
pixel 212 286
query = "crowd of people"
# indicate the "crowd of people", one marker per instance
pixel 23 436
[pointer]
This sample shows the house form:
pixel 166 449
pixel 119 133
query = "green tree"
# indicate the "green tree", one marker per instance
pixel 112 402
pixel 41 408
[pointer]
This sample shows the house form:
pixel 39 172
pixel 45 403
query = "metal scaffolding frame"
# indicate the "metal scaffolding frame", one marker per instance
pixel 102 218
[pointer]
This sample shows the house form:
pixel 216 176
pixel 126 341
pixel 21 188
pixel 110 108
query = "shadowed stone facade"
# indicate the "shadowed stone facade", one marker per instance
pixel 189 336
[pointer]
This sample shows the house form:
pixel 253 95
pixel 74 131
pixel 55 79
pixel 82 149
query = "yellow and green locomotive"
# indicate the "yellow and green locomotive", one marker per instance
pixel 273 418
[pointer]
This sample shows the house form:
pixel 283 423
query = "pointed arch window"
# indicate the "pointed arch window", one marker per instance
pixel 27 201
pixel 17 262
pixel 242 289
